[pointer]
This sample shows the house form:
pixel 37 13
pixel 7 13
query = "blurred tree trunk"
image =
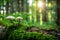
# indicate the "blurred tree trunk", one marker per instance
pixel 58 12
pixel 37 12
pixel 19 4
pixel 12 10
pixel 0 7
pixel 27 10
pixel 22 5
pixel 7 6
pixel 44 11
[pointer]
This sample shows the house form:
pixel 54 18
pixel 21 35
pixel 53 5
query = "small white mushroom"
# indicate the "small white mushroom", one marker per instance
pixel 10 17
pixel 19 18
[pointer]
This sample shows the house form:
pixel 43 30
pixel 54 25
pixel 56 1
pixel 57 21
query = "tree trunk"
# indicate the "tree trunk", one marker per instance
pixel 58 12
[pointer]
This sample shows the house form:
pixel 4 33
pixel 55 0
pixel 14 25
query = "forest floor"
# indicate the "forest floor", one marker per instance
pixel 56 33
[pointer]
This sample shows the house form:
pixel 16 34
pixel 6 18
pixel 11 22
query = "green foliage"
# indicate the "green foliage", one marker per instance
pixel 22 35
pixel 14 26
pixel 24 15
pixel 2 20
pixel 15 31
pixel 17 14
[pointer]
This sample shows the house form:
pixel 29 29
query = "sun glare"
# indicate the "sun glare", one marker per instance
pixel 40 4
pixel 30 2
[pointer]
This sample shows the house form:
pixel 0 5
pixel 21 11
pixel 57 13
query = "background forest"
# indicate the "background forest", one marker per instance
pixel 29 20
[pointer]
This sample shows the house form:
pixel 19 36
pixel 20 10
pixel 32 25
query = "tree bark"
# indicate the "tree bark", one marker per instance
pixel 58 12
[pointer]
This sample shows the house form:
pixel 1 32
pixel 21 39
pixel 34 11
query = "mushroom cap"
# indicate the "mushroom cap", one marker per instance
pixel 19 18
pixel 10 17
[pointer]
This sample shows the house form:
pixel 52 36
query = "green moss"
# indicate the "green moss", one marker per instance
pixel 22 35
